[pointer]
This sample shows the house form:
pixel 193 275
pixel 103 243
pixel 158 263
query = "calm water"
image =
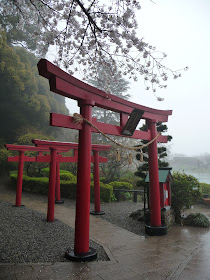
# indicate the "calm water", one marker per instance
pixel 202 177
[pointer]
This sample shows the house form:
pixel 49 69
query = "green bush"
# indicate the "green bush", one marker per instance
pixel 185 191
pixel 121 185
pixel 68 188
pixel 91 177
pixel 32 184
pixel 13 172
pixel 64 174
pixel 45 172
pixel 106 192
pixel 68 177
pixel 197 220
pixel 205 188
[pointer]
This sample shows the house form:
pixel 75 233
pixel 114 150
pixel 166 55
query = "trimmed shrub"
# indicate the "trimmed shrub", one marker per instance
pixel 64 174
pixel 197 220
pixel 106 192
pixel 13 172
pixel 121 185
pixel 45 172
pixel 68 189
pixel 68 176
pixel 13 180
pixel 35 185
pixel 104 180
pixel 91 177
pixel 31 184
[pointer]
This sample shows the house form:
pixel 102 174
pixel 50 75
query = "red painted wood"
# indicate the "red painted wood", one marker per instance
pixel 81 243
pixel 66 85
pixel 16 159
pixel 25 148
pixel 57 187
pixel 19 179
pixel 67 145
pixel 67 122
pixel 155 212
pixel 96 182
pixel 55 144
pixel 123 119
pixel 51 189
pixel 162 203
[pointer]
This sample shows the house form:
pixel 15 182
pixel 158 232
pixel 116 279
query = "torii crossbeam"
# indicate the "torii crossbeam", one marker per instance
pixel 88 97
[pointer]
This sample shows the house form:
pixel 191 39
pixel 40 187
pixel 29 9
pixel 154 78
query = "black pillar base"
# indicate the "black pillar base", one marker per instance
pixel 59 201
pixel 97 213
pixel 156 230
pixel 83 257
pixel 18 206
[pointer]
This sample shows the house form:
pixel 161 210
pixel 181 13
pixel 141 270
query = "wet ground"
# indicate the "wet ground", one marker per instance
pixel 184 253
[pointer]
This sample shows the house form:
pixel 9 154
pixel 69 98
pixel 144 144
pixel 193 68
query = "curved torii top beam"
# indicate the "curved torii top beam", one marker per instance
pixel 68 145
pixel 68 86
pixel 28 148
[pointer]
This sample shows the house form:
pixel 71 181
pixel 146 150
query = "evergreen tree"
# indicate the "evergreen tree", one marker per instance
pixel 25 98
pixel 162 153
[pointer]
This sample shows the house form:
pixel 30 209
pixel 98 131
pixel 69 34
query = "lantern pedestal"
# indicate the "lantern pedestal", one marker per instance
pixel 83 257
pixel 156 230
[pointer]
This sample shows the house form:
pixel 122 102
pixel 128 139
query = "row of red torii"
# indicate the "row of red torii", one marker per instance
pixel 55 158
pixel 130 113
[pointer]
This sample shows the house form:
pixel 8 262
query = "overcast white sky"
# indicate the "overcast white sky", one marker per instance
pixel 181 29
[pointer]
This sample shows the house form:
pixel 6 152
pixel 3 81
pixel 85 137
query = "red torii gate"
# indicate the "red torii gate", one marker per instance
pixel 55 146
pixel 87 97
pixel 54 158
pixel 21 159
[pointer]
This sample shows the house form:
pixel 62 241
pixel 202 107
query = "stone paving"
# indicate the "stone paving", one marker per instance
pixel 184 253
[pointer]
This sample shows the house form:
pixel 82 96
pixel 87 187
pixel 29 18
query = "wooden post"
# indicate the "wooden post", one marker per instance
pixel 81 242
pixel 155 227
pixel 96 186
pixel 51 188
pixel 57 186
pixel 19 179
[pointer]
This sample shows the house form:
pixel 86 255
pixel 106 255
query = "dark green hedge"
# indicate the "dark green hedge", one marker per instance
pixel 68 188
pixel 121 185
pixel 106 192
pixel 31 184
pixel 64 174
pixel 68 177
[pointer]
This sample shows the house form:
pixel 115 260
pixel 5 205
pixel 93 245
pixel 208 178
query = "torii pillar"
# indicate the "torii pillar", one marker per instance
pixel 81 242
pixel 155 227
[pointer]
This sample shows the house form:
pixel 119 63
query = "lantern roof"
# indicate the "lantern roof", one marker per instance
pixel 164 175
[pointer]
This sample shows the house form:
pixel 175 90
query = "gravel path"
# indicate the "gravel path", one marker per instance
pixel 27 237
pixel 118 213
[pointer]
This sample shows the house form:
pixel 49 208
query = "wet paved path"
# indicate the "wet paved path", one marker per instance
pixel 184 253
